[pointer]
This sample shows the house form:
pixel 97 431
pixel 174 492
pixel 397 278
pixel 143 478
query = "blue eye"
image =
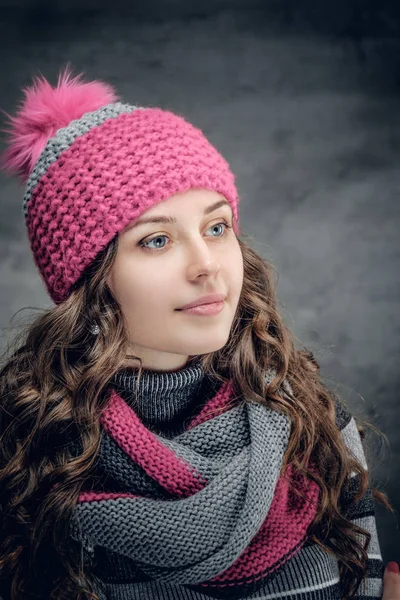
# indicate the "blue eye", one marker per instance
pixel 144 243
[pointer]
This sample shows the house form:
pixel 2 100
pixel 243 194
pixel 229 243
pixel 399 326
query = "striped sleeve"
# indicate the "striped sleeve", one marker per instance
pixel 363 512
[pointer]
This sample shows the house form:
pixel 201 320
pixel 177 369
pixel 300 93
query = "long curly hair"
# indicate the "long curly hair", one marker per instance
pixel 53 388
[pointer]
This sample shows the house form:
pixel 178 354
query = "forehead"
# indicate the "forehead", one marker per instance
pixel 149 217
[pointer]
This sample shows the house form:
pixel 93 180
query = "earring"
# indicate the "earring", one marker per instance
pixel 95 329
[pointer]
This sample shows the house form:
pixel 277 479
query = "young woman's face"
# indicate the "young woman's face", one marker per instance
pixel 182 261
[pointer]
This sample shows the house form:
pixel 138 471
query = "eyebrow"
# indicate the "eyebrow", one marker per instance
pixel 168 219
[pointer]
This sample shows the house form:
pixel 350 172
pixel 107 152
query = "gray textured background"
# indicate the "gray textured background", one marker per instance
pixel 303 100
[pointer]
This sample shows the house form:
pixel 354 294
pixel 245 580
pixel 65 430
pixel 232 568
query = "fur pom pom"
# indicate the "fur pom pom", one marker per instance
pixel 43 111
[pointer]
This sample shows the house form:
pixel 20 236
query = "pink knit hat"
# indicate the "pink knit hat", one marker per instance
pixel 92 164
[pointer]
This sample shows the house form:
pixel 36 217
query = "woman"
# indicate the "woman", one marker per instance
pixel 150 449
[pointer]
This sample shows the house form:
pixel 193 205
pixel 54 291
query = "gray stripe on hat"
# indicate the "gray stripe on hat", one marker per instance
pixel 65 137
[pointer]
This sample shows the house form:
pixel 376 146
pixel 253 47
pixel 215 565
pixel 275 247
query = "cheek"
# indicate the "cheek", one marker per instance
pixel 144 293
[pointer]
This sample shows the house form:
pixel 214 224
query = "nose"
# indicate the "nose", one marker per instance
pixel 202 261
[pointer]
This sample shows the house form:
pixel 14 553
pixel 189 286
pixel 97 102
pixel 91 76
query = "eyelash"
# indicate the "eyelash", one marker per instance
pixel 146 241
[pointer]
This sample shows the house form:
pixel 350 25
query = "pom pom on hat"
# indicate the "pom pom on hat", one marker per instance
pixel 45 110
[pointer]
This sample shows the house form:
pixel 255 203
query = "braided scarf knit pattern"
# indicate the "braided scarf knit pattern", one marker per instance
pixel 208 509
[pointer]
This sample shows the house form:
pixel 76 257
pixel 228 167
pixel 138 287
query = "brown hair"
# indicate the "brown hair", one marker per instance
pixel 53 388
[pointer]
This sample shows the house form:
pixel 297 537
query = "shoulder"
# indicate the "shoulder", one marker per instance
pixel 343 414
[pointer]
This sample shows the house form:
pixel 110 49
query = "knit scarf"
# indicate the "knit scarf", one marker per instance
pixel 209 509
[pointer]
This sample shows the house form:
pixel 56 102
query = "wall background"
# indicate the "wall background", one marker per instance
pixel 303 100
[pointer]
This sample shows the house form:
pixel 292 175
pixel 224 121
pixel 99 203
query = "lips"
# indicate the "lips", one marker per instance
pixel 208 299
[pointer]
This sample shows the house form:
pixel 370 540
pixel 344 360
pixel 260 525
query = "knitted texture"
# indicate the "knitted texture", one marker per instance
pixel 101 171
pixel 220 505
pixel 165 401
pixel 309 574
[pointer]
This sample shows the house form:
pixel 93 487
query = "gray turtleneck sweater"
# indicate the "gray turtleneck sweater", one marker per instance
pixel 166 400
